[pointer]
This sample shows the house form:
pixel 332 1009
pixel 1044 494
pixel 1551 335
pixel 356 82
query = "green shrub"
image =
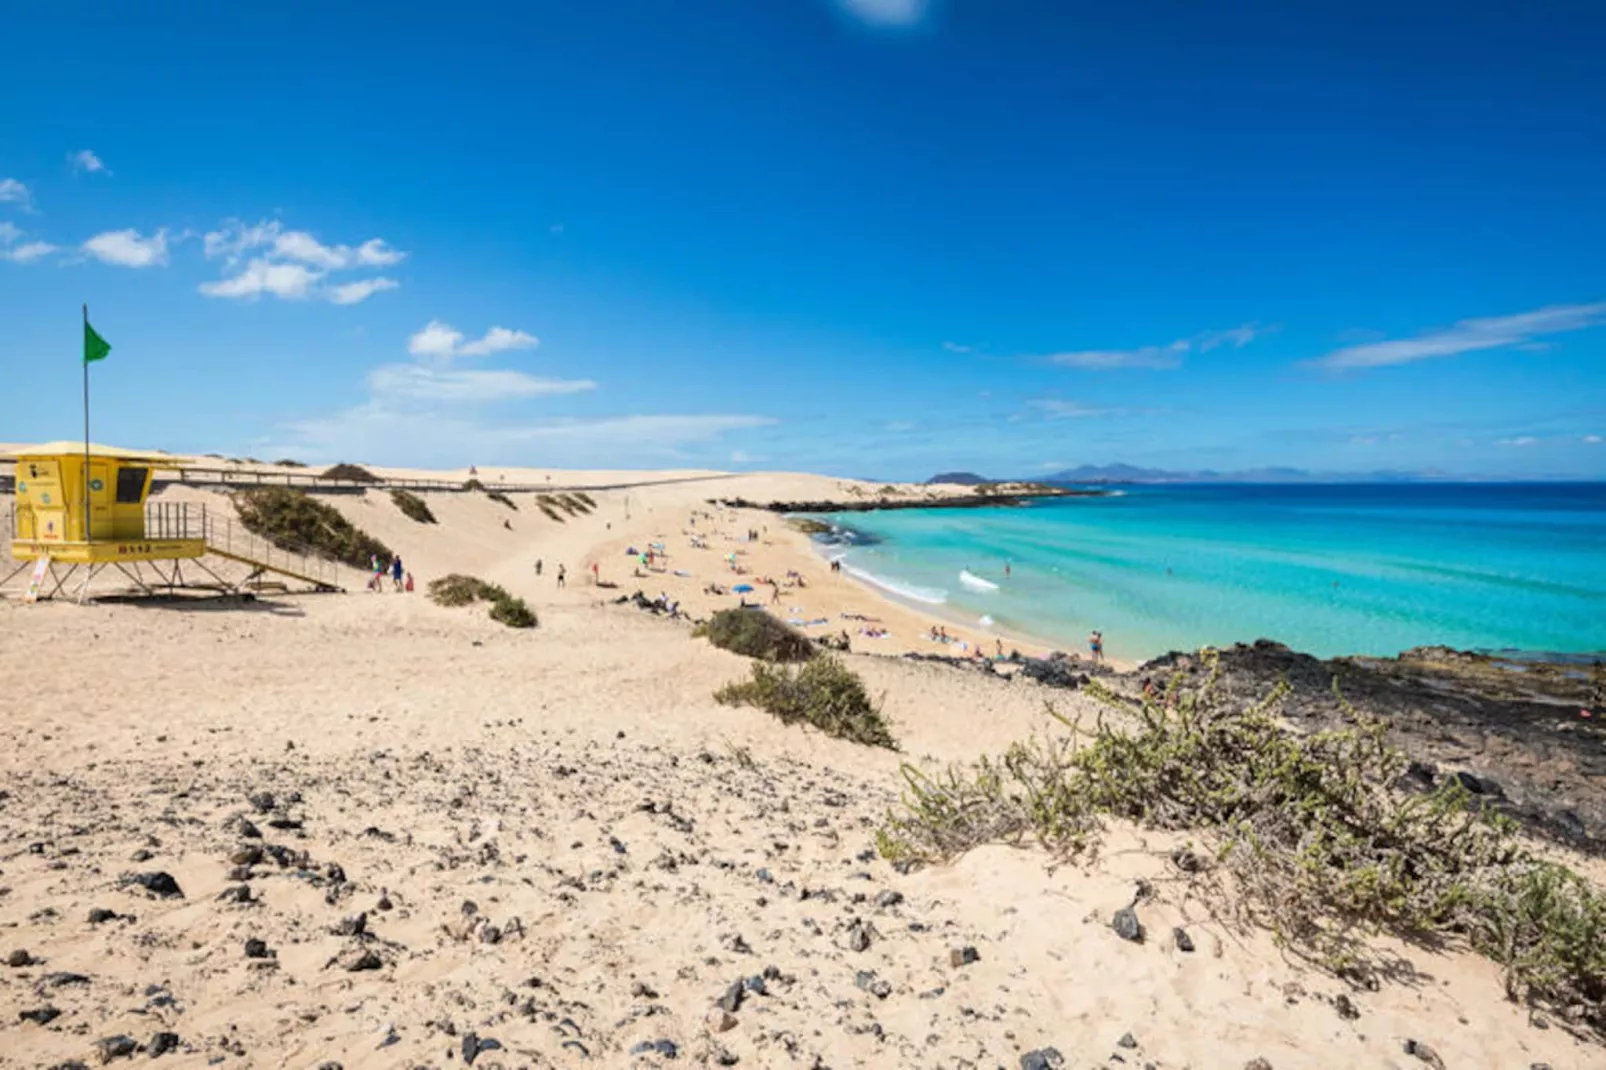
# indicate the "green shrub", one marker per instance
pixel 586 498
pixel 285 462
pixel 513 613
pixel 1322 845
pixel 413 507
pixel 824 693
pixel 294 520
pixel 457 589
pixel 545 501
pixel 473 484
pixel 755 634
pixel 498 496
pixel 352 473
pixel 460 590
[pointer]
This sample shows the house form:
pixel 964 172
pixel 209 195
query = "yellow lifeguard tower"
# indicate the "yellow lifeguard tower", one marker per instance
pixel 85 506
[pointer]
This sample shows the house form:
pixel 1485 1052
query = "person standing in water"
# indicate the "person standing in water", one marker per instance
pixel 1095 644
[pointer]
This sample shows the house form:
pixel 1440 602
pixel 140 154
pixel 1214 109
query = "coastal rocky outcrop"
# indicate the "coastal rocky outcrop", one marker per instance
pixel 1529 737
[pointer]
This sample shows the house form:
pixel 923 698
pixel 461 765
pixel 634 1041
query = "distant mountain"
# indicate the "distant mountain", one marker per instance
pixel 968 479
pixel 1126 473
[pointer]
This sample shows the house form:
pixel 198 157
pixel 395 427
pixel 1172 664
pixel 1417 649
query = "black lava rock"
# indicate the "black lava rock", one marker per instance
pixel 19 958
pixel 120 1046
pixel 257 949
pixel 162 1043
pixel 100 914
pixel 731 1001
pixel 1126 925
pixel 888 898
pixel 1184 941
pixel 963 956
pixel 161 885
pixel 40 1015
pixel 1042 1059
pixel 263 801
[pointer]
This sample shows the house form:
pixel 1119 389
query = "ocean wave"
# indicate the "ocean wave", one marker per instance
pixel 931 596
pixel 976 583
pixel 986 621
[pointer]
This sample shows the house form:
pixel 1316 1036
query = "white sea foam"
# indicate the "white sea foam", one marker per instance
pixel 986 621
pixel 976 583
pixel 929 595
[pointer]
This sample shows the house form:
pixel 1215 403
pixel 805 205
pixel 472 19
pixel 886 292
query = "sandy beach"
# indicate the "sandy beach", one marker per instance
pixel 397 834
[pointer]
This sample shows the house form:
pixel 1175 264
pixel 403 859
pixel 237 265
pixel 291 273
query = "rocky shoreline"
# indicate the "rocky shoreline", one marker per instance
pixel 979 500
pixel 1526 737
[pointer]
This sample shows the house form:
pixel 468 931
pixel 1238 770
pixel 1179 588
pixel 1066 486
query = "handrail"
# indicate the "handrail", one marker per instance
pixel 190 520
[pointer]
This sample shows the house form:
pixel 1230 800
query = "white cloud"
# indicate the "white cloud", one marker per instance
pixel 299 245
pixel 28 252
pixel 375 253
pixel 233 239
pixel 1519 441
pixel 1592 440
pixel 287 281
pixel 887 12
pixel 416 382
pixel 498 339
pixel 1166 356
pixel 441 341
pixel 85 160
pixel 352 292
pixel 9 232
pixel 1467 336
pixel 955 347
pixel 14 192
pixel 126 248
pixel 1055 409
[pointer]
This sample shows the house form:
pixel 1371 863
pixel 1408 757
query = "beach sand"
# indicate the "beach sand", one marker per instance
pixel 551 847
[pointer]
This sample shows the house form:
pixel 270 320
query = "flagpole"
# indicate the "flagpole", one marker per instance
pixel 86 429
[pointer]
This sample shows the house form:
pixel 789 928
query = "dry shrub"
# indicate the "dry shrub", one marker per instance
pixel 755 634
pixel 412 506
pixel 354 473
pixel 294 520
pixel 498 496
pixel 460 590
pixel 1323 845
pixel 824 693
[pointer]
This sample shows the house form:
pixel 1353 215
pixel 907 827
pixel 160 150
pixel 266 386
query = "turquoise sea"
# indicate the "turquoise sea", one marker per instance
pixel 1329 570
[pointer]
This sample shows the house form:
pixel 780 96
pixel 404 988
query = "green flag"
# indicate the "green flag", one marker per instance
pixel 95 347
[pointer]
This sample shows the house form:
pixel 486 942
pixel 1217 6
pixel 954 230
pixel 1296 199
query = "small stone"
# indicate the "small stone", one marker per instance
pixel 888 898
pixel 262 801
pixel 100 914
pixel 352 925
pixel 1184 859
pixel 248 830
pixel 384 903
pixel 858 935
pixel 731 1001
pixel 161 885
pixel 764 876
pixel 1346 1007
pixel 474 1044
pixel 120 1046
pixel 1042 1059
pixel 162 1043
pixel 721 1021
pixel 1126 925
pixel 642 991
pixel 757 986
pixel 235 893
pixel 40 1015
pixel 1425 1053
pixel 1257 1063
pixel 19 958
pixel 1127 1041
pixel 1184 941
pixel 141 855
pixel 359 959
pixel 257 949
pixel 963 956
pixel 247 854
pixel 61 979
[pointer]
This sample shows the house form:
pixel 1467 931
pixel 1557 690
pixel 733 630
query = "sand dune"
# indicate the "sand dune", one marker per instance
pixel 551 848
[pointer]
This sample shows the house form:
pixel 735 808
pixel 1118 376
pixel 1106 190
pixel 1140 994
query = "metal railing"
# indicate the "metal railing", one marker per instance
pixel 225 535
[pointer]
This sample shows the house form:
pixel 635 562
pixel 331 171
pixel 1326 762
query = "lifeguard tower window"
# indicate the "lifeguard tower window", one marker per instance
pixel 130 485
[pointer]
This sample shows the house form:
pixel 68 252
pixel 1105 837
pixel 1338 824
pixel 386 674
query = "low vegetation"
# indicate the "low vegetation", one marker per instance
pixel 460 590
pixel 286 462
pixel 1320 839
pixel 755 634
pixel 824 693
pixel 352 473
pixel 294 520
pixel 473 484
pixel 413 507
pixel 548 507
pixel 498 496
pixel 590 503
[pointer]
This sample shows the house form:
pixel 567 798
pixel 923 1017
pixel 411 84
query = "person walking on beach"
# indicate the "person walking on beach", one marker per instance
pixel 396 572
pixel 378 571
pixel 562 575
pixel 538 566
pixel 596 574
pixel 1095 644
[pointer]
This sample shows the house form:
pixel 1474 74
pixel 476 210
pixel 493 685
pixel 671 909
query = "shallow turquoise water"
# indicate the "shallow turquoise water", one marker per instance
pixel 1326 569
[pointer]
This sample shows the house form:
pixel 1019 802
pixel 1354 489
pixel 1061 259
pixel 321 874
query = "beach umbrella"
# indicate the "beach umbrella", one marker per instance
pixel 743 588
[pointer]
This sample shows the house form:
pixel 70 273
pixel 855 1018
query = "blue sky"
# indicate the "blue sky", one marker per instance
pixel 869 237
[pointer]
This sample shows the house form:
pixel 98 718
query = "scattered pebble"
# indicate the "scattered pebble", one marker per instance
pixel 1126 925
